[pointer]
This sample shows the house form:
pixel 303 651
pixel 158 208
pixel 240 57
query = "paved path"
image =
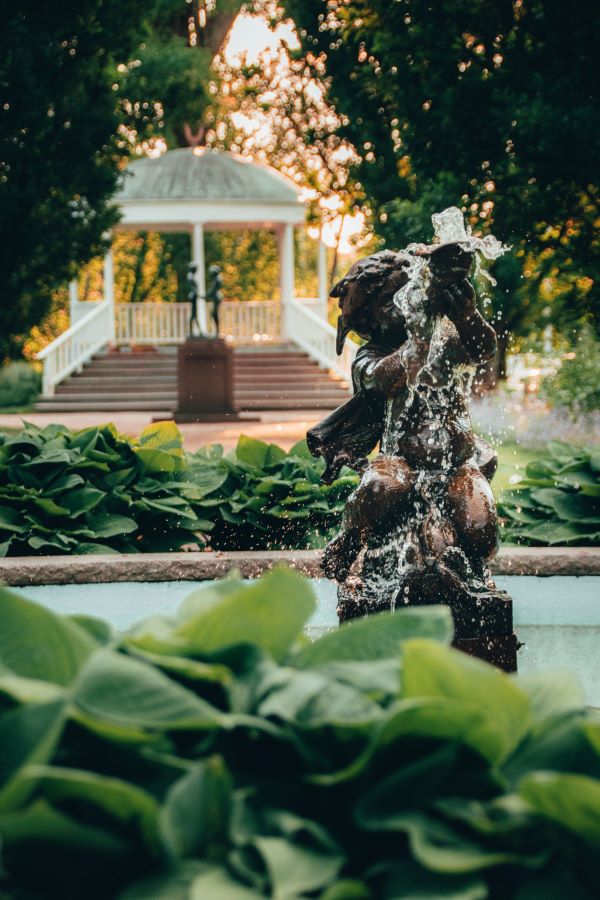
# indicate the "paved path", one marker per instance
pixel 279 428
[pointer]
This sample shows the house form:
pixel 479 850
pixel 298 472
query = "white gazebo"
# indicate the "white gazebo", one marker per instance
pixel 195 190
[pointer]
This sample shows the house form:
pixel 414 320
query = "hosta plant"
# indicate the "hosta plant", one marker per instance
pixel 270 498
pixel 220 755
pixel 558 500
pixel 97 491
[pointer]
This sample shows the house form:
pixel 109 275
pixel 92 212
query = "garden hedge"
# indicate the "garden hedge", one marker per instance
pixel 220 755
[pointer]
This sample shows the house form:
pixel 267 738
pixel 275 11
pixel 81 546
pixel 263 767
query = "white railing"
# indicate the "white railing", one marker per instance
pixel 75 346
pixel 247 322
pixel 250 321
pixel 151 323
pixel 317 338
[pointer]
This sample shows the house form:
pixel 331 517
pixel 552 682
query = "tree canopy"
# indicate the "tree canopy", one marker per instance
pixel 59 146
pixel 488 106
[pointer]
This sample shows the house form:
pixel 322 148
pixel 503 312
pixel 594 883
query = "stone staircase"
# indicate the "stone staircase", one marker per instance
pixel 277 376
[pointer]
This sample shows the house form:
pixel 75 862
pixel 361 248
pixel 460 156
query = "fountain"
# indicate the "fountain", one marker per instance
pixel 421 526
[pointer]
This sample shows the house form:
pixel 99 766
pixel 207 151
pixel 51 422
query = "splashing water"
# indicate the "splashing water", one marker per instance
pixel 449 228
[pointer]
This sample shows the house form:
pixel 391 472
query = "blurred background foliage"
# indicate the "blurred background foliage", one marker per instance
pixel 365 106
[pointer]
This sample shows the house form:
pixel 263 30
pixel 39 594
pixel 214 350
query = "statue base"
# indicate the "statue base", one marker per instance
pixel 482 613
pixel 205 382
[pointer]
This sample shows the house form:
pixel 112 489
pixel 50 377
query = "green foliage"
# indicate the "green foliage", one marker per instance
pixel 271 499
pixel 95 491
pixel 59 148
pixel 20 384
pixel 498 118
pixel 218 754
pixel 558 501
pixel 576 385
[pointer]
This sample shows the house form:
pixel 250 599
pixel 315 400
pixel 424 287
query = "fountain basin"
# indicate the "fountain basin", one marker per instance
pixel 556 594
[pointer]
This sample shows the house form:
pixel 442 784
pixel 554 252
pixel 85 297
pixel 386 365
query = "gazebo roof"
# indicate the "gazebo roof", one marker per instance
pixel 200 174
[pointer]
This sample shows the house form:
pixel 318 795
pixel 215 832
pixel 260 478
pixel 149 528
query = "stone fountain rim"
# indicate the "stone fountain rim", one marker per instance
pixel 20 571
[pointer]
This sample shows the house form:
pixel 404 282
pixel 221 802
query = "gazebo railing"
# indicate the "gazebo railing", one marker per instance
pixel 75 346
pixel 318 338
pixel 151 323
pixel 251 321
pixel 248 322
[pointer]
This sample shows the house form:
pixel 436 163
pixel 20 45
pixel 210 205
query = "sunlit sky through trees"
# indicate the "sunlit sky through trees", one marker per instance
pixel 250 37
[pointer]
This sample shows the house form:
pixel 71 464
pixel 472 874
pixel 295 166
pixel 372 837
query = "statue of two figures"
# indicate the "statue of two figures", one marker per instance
pixel 421 527
pixel 214 296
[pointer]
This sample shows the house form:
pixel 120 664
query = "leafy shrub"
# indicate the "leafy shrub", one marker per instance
pixel 272 499
pixel 220 755
pixel 20 384
pixel 558 501
pixel 576 385
pixel 95 491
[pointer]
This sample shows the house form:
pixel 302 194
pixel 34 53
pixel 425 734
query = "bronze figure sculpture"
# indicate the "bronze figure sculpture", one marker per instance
pixel 421 527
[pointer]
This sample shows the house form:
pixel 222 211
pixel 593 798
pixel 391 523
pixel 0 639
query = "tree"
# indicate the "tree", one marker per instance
pixel 488 106
pixel 59 148
pixel 165 88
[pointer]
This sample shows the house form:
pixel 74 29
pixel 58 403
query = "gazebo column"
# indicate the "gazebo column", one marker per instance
pixel 323 277
pixel 198 258
pixel 286 272
pixel 109 294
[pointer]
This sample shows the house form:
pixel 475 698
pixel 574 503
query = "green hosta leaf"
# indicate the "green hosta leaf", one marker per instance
pixel 190 669
pixel 159 461
pixel 81 501
pixel 29 690
pixel 577 508
pixel 253 452
pixel 270 613
pixel 347 889
pixel 301 449
pixel 295 870
pixel 554 533
pixel 50 507
pixel 28 734
pixel 577 479
pixel 128 692
pixel 129 806
pixel 382 807
pixel 110 525
pixel 174 884
pixel 408 881
pixel 218 884
pixel 40 824
pixel 11 520
pixel 37 643
pixel 571 801
pixel 378 636
pixel 547 496
pixel 441 848
pixel 562 451
pixel 432 670
pixel 203 480
pixel 314 699
pixel 162 436
pixel 195 814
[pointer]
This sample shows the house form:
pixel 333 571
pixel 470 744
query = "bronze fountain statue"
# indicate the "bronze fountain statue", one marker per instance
pixel 421 527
